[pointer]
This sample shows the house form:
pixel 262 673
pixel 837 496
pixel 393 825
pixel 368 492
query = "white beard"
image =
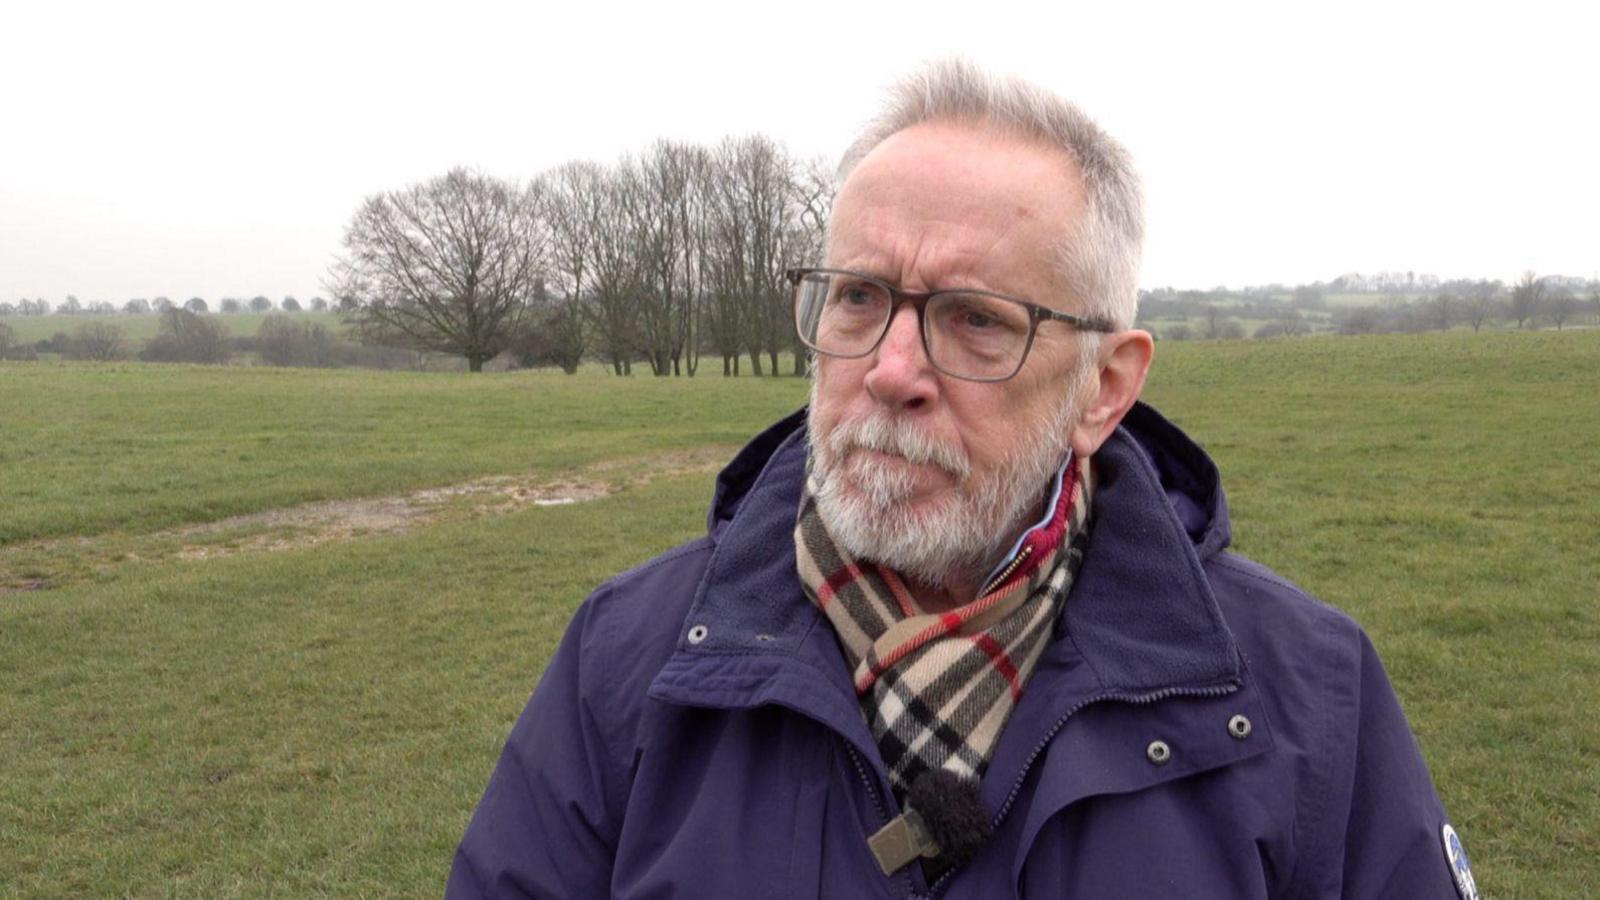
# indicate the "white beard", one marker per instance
pixel 951 544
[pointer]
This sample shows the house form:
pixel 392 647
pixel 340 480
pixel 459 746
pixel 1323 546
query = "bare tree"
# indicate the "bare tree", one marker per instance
pixel 232 305
pixel 1480 302
pixel 1441 311
pixel 260 304
pixel 446 266
pixel 136 306
pixel 96 341
pixel 756 201
pixel 1561 305
pixel 572 196
pixel 187 337
pixel 613 308
pixel 816 186
pixel 1292 323
pixel 698 223
pixel 724 309
pixel 196 305
pixel 660 187
pixel 1360 321
pixel 1527 297
pixel 281 341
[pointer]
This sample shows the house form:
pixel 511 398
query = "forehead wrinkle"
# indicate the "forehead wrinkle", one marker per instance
pixel 925 210
pixel 940 253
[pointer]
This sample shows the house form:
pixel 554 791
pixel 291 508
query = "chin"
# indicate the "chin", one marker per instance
pixel 930 540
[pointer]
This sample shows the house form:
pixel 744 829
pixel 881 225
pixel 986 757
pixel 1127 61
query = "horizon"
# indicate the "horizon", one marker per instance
pixel 187 152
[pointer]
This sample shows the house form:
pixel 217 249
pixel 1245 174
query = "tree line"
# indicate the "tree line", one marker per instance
pixel 1389 303
pixel 661 259
pixel 72 306
pixel 183 336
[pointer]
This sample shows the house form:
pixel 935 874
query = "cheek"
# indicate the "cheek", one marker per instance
pixel 835 384
pixel 986 420
pixel 995 423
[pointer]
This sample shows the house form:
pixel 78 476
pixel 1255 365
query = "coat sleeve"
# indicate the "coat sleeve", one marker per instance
pixel 1382 834
pixel 548 821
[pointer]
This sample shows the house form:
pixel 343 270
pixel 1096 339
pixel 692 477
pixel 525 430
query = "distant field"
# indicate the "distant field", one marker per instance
pixel 273 709
pixel 141 328
pixel 134 447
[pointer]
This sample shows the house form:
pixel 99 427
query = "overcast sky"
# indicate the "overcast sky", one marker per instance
pixel 214 149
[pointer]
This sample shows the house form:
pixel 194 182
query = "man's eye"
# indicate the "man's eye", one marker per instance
pixel 978 320
pixel 856 295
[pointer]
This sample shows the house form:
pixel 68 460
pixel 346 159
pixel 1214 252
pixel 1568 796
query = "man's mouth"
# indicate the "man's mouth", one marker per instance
pixel 893 473
pixel 885 445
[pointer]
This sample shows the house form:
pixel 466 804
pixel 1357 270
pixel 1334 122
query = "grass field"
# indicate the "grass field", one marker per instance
pixel 266 708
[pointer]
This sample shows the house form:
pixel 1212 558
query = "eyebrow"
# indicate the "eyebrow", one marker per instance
pixel 873 272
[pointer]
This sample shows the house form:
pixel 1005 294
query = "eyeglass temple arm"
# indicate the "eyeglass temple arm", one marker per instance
pixel 1088 324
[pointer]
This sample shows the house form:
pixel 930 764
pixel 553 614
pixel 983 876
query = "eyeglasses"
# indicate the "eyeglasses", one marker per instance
pixel 973 335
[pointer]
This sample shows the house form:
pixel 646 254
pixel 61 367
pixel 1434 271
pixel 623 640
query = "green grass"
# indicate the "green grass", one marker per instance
pixel 140 328
pixel 297 724
pixel 86 449
pixel 321 721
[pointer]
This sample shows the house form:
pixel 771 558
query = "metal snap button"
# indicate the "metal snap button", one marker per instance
pixel 697 634
pixel 1158 753
pixel 1239 727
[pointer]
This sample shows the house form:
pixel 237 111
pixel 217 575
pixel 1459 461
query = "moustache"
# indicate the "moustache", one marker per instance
pixel 898 438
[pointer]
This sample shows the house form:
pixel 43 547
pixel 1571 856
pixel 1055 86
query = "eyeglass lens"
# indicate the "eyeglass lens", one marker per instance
pixel 967 335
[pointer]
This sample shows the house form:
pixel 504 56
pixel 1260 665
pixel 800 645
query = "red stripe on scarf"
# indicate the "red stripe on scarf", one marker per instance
pixel 836 581
pixel 1002 662
pixel 898 589
pixel 947 624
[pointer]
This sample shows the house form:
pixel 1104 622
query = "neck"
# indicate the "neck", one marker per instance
pixel 935 599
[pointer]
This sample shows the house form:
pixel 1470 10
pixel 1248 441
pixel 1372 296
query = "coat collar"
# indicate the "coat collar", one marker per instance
pixel 1141 615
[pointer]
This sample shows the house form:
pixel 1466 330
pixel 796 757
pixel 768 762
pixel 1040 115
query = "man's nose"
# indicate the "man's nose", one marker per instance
pixel 901 376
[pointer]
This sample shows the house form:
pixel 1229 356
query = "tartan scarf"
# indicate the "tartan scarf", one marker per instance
pixel 937 688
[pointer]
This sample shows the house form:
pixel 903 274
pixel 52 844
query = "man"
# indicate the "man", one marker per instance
pixel 966 627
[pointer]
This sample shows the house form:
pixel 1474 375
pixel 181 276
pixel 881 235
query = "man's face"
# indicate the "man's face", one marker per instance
pixel 917 470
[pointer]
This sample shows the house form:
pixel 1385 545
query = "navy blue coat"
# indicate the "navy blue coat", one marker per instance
pixel 696 734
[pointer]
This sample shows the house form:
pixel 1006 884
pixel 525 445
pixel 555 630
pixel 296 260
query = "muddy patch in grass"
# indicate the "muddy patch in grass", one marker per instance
pixel 22 585
pixel 311 524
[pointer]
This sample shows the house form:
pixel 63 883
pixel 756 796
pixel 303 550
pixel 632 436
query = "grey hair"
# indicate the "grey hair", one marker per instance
pixel 1099 256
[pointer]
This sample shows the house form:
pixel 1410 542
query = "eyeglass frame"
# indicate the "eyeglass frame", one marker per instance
pixel 919 301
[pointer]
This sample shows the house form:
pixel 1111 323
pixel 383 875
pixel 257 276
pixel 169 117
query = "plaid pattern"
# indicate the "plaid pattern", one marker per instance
pixel 937 688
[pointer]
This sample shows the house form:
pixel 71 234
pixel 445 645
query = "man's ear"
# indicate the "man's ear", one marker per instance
pixel 1122 362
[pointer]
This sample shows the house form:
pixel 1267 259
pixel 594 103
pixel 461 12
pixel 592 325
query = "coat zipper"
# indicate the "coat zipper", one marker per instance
pixel 1135 699
pixel 877 804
